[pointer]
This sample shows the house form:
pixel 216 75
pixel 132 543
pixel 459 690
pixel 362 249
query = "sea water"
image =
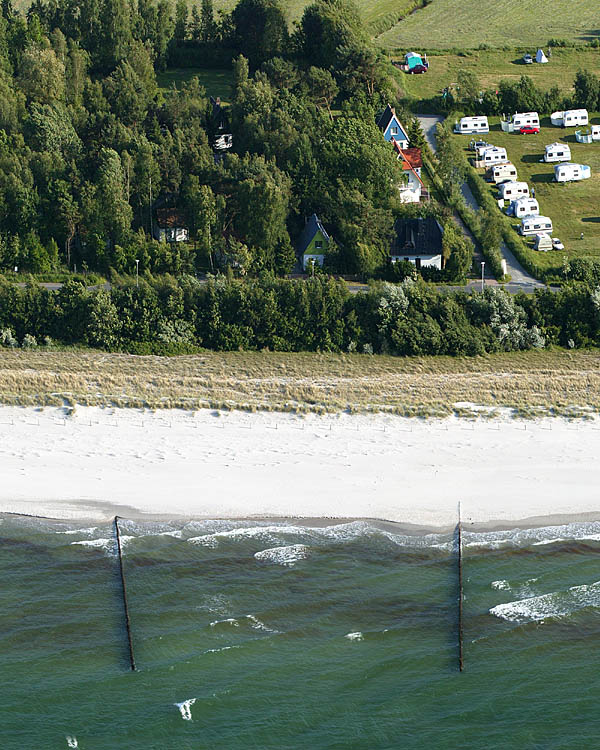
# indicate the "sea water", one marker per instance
pixel 274 635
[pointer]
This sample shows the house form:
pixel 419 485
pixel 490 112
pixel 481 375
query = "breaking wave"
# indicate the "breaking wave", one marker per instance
pixel 286 556
pixel 556 605
pixel 185 708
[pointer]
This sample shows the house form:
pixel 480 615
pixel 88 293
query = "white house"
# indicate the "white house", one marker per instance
pixel 506 172
pixel 571 172
pixel 520 120
pixel 569 118
pixel 170 226
pixel 412 164
pixel 557 152
pixel 535 224
pixel 513 190
pixel 522 207
pixel 472 125
pixel 418 241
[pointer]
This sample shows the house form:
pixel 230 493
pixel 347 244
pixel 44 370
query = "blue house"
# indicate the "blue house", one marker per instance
pixel 392 128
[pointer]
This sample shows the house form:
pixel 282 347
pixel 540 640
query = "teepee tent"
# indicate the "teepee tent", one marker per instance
pixel 541 57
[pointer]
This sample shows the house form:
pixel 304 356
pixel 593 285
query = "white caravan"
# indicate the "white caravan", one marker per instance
pixel 472 125
pixel 513 190
pixel 493 155
pixel 520 120
pixel 534 225
pixel 592 135
pixel 557 152
pixel 571 172
pixel 503 173
pixel 569 118
pixel 543 242
pixel 523 207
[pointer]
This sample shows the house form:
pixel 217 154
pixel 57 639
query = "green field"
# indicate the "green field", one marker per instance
pixel 217 81
pixel 447 24
pixel 573 207
pixel 491 66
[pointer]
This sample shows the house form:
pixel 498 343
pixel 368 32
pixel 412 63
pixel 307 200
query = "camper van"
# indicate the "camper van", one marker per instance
pixel 513 190
pixel 503 173
pixel 569 118
pixel 493 155
pixel 523 207
pixel 542 242
pixel 520 120
pixel 571 172
pixel 472 125
pixel 557 152
pixel 535 224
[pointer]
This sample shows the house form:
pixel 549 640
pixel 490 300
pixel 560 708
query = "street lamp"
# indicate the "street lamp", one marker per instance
pixel 137 273
pixel 482 267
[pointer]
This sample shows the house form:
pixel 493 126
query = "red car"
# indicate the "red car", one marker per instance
pixel 529 129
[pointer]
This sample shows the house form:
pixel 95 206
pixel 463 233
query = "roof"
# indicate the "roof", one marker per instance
pixel 417 237
pixel 312 226
pixel 170 218
pixel 411 159
pixel 388 115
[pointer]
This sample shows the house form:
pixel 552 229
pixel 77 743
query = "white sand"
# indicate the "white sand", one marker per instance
pixel 208 465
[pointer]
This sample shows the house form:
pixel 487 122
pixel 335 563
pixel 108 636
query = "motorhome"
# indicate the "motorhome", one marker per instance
pixel 535 224
pixel 472 125
pixel 503 173
pixel 569 118
pixel 520 120
pixel 571 172
pixel 557 152
pixel 523 207
pixel 513 190
pixel 542 242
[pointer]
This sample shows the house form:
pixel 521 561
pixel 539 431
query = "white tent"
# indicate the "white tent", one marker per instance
pixel 541 57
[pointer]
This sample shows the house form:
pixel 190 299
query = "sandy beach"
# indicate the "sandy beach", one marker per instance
pixel 207 464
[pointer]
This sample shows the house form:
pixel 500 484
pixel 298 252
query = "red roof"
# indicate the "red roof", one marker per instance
pixel 411 157
pixel 170 218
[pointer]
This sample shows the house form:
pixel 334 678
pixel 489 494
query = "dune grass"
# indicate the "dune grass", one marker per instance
pixel 573 207
pixel 531 383
pixel 447 24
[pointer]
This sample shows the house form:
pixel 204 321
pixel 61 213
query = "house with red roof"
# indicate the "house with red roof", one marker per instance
pixel 412 164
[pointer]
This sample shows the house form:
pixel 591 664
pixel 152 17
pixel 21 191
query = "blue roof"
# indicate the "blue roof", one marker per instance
pixel 313 225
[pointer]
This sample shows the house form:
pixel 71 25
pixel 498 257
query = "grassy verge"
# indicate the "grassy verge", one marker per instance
pixel 531 383
pixel 216 81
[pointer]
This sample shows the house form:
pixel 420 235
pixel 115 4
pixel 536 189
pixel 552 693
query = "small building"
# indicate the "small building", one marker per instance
pixel 513 190
pixel 571 172
pixel 170 226
pixel 472 125
pixel 418 241
pixel 569 118
pixel 535 224
pixel 542 242
pixel 557 152
pixel 520 120
pixel 506 172
pixel 593 134
pixel 392 128
pixel 522 207
pixel 313 243
pixel 412 164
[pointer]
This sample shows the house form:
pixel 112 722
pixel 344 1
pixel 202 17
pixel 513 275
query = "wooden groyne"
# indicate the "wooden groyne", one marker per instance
pixel 461 663
pixel 124 590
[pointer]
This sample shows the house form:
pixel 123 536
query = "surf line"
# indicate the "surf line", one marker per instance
pixel 461 662
pixel 124 591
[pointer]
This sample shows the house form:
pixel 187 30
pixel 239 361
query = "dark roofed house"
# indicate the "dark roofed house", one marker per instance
pixel 418 241
pixel 313 242
pixel 392 128
pixel 170 226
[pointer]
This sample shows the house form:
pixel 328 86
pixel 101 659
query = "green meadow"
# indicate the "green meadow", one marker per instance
pixel 573 207
pixel 216 81
pixel 447 24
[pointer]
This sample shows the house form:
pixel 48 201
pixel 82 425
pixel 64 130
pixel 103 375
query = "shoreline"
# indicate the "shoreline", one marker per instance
pixel 89 463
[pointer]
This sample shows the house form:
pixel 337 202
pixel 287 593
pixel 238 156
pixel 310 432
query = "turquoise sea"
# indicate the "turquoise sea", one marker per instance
pixel 270 635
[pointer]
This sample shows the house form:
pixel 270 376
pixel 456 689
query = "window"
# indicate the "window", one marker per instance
pixel 319 244
pixel 418 262
pixel 394 130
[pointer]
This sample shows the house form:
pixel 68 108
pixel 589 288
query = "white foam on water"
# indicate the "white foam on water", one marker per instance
pixel 72 742
pixel 185 708
pixel 358 636
pixel 91 530
pixel 229 621
pixel 500 585
pixel 556 605
pixel 543 535
pixel 216 650
pixel 108 545
pixel 259 625
pixel 286 556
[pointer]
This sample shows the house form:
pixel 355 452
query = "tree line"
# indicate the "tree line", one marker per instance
pixel 168 316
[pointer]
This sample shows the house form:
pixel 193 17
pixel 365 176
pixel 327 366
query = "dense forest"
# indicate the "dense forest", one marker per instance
pixel 90 145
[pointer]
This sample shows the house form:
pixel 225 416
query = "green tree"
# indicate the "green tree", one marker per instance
pixel 260 29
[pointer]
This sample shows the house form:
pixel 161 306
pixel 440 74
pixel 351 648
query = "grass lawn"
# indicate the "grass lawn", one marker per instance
pixel 217 81
pixel 573 207
pixel 492 65
pixel 447 24
pixel 535 382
